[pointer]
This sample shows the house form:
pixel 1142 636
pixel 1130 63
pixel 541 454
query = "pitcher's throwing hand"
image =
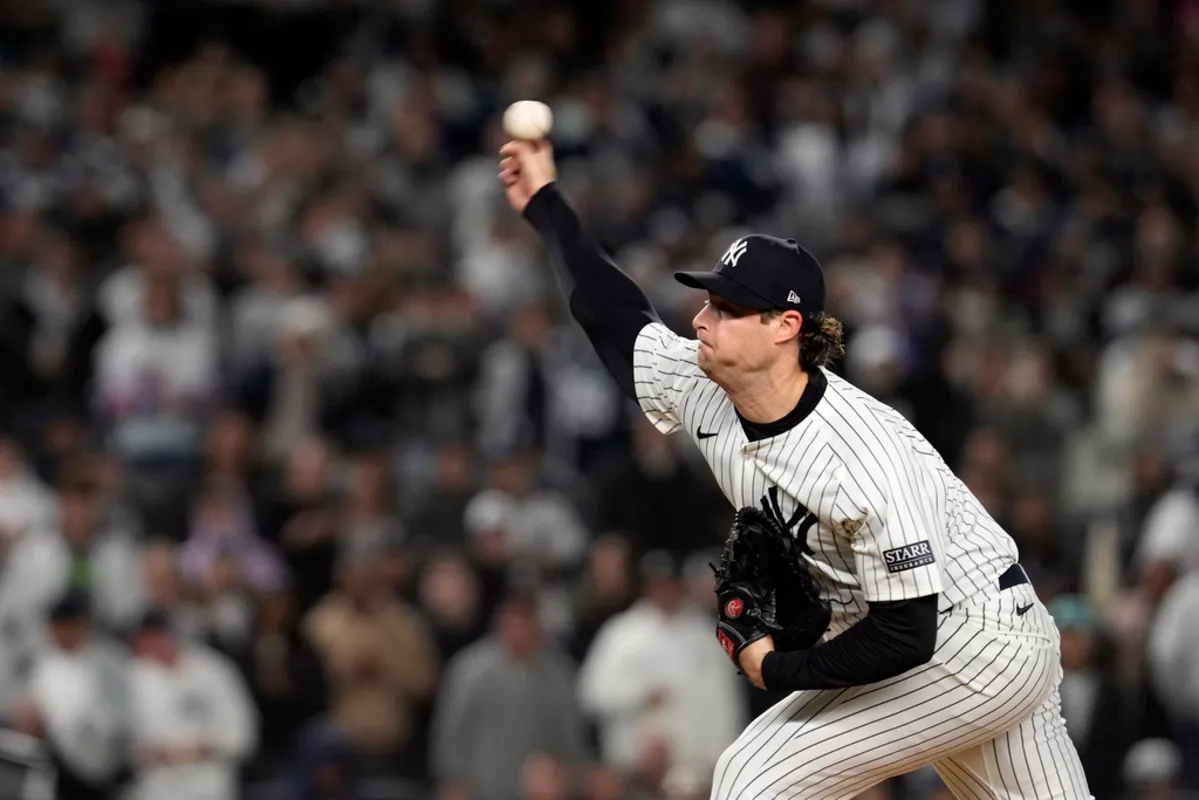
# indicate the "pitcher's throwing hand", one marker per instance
pixel 526 168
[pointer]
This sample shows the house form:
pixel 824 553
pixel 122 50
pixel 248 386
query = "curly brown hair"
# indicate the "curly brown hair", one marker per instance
pixel 821 340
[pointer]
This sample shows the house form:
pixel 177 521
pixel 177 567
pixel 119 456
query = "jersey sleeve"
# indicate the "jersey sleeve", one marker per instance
pixel 898 550
pixel 664 374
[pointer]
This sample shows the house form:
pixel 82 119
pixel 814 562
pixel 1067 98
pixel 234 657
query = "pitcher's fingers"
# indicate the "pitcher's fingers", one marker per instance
pixel 509 178
pixel 510 164
pixel 520 148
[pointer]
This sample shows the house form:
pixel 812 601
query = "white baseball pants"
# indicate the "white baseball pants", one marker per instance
pixel 984 711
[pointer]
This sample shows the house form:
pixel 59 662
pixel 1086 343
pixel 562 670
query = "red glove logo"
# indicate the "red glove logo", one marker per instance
pixel 733 608
pixel 726 643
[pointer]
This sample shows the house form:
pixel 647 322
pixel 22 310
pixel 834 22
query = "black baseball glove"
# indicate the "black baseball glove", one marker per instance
pixel 764 588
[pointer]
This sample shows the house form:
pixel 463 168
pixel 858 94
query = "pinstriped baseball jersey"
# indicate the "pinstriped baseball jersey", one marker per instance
pixel 882 516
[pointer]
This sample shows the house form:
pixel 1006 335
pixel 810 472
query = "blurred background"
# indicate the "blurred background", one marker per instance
pixel 309 488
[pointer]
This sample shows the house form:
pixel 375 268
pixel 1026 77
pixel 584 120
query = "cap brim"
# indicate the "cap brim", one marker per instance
pixel 724 288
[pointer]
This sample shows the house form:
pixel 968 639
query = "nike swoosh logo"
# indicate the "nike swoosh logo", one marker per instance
pixel 701 435
pixel 1022 610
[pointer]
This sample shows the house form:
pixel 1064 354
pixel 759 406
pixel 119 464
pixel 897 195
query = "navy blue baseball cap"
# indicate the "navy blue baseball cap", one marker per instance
pixel 764 273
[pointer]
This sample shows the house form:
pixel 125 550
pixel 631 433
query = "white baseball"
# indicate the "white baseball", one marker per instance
pixel 529 120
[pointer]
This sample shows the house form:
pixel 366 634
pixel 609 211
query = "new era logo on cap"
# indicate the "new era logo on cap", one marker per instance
pixel 792 297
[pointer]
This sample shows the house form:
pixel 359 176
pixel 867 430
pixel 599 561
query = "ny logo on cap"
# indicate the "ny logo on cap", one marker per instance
pixel 734 253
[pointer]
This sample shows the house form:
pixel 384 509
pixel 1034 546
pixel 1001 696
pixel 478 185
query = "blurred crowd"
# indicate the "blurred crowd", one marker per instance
pixel 310 489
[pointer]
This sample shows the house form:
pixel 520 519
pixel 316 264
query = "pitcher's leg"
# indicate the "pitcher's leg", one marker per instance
pixel 1033 761
pixel 774 739
pixel 833 745
pixel 828 745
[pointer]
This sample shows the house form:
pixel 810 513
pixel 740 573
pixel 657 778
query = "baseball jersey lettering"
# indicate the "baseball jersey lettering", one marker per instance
pixel 915 555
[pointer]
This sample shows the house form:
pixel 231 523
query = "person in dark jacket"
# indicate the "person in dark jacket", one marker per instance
pixel 1101 718
pixel 284 676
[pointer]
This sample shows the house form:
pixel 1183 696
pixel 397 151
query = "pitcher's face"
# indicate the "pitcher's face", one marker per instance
pixel 736 341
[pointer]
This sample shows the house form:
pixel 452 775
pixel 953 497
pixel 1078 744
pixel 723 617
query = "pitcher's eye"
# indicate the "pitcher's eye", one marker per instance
pixel 726 309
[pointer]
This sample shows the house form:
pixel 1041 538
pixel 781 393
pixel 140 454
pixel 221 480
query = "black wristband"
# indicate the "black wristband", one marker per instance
pixel 608 304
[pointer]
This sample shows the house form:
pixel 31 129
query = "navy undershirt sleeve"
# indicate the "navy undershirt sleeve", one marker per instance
pixel 607 303
pixel 891 639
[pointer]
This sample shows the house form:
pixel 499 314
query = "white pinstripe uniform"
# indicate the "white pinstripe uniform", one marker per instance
pixel 884 519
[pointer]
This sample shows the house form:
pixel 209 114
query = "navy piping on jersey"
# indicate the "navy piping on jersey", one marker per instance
pixel 612 310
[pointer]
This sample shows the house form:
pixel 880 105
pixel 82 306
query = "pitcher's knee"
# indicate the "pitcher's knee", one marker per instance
pixel 741 772
pixel 800 769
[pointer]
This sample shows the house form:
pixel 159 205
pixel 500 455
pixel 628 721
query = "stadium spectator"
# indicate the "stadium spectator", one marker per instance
pixel 285 679
pixel 451 597
pixel 92 549
pixel 192 721
pixel 77 702
pixel 1152 769
pixel 649 675
pixel 1173 658
pixel 1095 709
pixel 607 587
pixel 298 510
pixel 652 494
pixel 378 657
pixel 504 699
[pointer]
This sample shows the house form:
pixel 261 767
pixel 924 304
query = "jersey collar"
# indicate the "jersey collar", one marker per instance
pixel 756 431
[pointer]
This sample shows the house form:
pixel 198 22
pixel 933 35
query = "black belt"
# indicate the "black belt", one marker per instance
pixel 1013 576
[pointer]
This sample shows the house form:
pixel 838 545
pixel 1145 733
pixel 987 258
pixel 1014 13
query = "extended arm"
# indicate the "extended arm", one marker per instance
pixel 608 304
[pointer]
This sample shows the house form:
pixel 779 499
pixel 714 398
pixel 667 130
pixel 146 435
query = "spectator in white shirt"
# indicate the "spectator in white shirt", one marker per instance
pixel 156 381
pixel 1172 652
pixel 75 702
pixel 1169 535
pixel 1152 771
pixel 27 569
pixel 654 676
pixel 155 375
pixel 192 719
